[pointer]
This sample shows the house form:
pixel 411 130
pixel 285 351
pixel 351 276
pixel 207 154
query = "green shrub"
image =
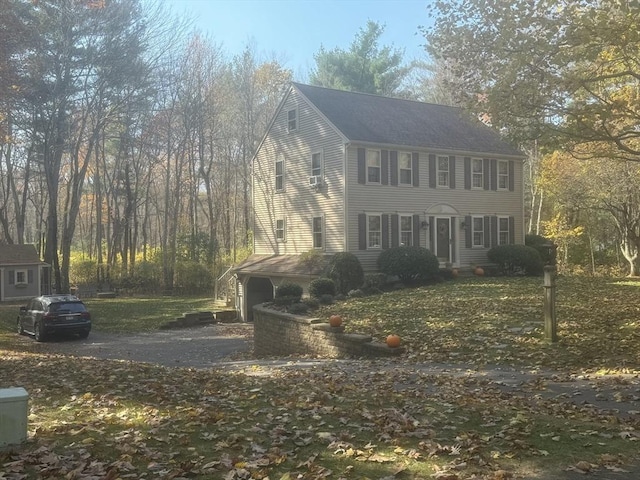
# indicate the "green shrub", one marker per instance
pixel 374 283
pixel 345 270
pixel 312 303
pixel 409 264
pixel 326 299
pixel 287 293
pixel 516 260
pixel 541 244
pixel 298 308
pixel 322 286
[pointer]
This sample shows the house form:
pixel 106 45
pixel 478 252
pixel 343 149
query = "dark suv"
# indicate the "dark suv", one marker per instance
pixel 50 314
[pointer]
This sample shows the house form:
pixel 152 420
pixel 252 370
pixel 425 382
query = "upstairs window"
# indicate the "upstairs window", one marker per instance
pixel 292 120
pixel 373 166
pixel 279 174
pixel 443 171
pixel 317 232
pixel 503 175
pixel 316 164
pixel 280 230
pixel 405 170
pixel 477 232
pixel 477 173
pixel 374 231
pixel 406 230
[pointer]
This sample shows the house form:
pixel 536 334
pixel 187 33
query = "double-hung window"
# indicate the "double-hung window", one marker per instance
pixel 374 231
pixel 405 170
pixel 292 120
pixel 316 164
pixel 443 171
pixel 503 175
pixel 374 166
pixel 477 231
pixel 503 230
pixel 406 230
pixel 477 173
pixel 279 174
pixel 317 232
pixel 280 230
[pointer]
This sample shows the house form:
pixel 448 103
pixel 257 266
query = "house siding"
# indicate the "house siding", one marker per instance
pixel 299 202
pixel 425 202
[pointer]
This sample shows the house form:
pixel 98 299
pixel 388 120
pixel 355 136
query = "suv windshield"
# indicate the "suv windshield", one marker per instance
pixel 71 307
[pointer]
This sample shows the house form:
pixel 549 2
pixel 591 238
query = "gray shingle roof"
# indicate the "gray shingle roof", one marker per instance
pixel 19 255
pixel 392 121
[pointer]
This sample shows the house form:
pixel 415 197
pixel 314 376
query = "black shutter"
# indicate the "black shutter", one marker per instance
pixel 432 234
pixel 452 172
pixel 362 166
pixel 29 276
pixel 452 234
pixel 486 173
pixel 511 176
pixel 468 231
pixel 12 277
pixel 362 231
pixel 416 230
pixel 393 166
pixel 494 231
pixel 432 171
pixel 384 167
pixel 494 174
pixel 385 231
pixel 467 173
pixel 487 232
pixel 415 172
pixel 512 231
pixel 395 230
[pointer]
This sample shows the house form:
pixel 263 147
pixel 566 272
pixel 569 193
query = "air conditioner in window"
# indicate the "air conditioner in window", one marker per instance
pixel 315 181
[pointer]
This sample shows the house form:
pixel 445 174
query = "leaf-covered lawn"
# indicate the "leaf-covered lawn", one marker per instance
pixel 98 419
pixel 95 419
pixel 500 321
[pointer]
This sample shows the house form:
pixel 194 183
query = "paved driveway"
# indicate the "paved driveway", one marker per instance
pixel 198 347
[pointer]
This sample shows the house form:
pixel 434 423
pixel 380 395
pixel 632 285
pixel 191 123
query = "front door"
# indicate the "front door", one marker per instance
pixel 443 239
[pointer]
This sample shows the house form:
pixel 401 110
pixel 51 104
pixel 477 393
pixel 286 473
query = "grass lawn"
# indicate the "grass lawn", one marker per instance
pixel 108 419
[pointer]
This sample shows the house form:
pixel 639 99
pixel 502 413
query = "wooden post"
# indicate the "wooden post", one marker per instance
pixel 550 322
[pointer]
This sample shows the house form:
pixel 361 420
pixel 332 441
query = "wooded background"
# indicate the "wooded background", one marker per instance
pixel 126 138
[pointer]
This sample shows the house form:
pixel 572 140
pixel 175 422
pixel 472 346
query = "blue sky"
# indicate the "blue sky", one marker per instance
pixel 292 31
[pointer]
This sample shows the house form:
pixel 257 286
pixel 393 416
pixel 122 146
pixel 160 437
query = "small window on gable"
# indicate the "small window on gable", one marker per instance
pixel 503 175
pixel 292 120
pixel 405 168
pixel 317 232
pixel 374 231
pixel 443 171
pixel 477 173
pixel 503 230
pixel 477 232
pixel 316 164
pixel 280 230
pixel 406 230
pixel 374 166
pixel 279 174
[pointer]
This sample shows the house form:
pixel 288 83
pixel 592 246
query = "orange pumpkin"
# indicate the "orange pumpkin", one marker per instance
pixel 479 271
pixel 393 341
pixel 335 320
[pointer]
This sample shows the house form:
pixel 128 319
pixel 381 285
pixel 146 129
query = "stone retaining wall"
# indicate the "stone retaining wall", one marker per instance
pixel 280 334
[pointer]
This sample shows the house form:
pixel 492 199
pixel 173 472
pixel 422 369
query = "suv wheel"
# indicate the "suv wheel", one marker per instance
pixel 84 334
pixel 39 332
pixel 20 329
